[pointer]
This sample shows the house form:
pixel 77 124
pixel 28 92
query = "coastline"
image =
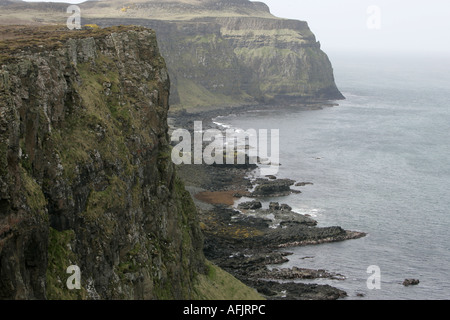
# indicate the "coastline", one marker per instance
pixel 245 240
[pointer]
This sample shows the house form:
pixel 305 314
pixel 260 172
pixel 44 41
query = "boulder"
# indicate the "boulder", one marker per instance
pixel 251 205
pixel 411 282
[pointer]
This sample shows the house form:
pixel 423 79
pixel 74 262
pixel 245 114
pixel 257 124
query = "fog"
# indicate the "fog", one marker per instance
pixel 390 26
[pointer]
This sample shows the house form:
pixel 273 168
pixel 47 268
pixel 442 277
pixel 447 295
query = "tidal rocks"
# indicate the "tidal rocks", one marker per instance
pixel 251 205
pixel 296 291
pixel 302 235
pixel 302 184
pixel 411 282
pixel 275 206
pixel 302 273
pixel 273 188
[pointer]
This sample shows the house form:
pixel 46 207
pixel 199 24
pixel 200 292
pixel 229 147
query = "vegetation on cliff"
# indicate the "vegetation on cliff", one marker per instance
pixel 85 177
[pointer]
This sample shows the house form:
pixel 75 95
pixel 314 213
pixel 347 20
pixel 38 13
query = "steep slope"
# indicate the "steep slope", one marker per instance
pixel 86 177
pixel 219 52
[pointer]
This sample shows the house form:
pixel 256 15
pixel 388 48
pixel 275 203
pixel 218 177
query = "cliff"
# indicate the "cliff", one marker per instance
pixel 219 53
pixel 86 177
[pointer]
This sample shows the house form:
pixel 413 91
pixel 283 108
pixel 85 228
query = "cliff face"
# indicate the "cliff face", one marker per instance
pixel 219 52
pixel 283 55
pixel 86 177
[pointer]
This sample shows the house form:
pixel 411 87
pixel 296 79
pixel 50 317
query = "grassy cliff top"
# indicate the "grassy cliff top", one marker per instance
pixel 17 38
pixel 173 10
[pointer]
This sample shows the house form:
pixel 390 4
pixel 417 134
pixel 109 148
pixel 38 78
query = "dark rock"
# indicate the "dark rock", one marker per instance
pixel 272 188
pixel 275 206
pixel 252 205
pixel 411 282
pixel 302 184
pixel 296 291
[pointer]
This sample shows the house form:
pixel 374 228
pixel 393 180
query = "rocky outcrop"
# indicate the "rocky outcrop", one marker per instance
pixel 250 205
pixel 273 188
pixel 411 282
pixel 86 177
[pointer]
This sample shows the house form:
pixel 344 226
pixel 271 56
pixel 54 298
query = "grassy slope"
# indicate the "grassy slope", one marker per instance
pixel 220 285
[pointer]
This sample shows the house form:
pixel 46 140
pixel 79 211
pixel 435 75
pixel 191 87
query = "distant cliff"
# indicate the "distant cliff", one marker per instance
pixel 86 177
pixel 219 52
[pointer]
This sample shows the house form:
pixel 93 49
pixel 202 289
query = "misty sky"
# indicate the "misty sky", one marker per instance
pixel 417 26
pixel 414 26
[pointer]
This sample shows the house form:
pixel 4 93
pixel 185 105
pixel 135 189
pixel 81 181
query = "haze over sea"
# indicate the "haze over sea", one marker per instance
pixel 380 163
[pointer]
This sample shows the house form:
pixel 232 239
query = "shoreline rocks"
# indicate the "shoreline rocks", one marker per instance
pixel 273 188
pixel 251 205
pixel 246 240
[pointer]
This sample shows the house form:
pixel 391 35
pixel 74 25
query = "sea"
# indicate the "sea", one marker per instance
pixel 379 162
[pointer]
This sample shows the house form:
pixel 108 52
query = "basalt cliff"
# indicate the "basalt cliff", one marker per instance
pixel 86 177
pixel 218 52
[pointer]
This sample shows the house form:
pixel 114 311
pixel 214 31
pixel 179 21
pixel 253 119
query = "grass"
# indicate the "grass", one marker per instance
pixel 33 193
pixel 34 13
pixel 103 203
pixel 195 97
pixel 280 35
pixel 15 38
pixel 220 285
pixel 60 257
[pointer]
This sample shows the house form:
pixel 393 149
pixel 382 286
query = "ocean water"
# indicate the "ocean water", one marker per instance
pixel 380 163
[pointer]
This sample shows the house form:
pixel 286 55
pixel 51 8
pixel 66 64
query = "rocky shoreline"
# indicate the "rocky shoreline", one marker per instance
pixel 246 240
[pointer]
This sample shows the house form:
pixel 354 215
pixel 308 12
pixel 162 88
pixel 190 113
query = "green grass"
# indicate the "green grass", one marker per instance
pixel 101 204
pixel 33 193
pixel 280 35
pixel 194 97
pixel 220 285
pixel 60 257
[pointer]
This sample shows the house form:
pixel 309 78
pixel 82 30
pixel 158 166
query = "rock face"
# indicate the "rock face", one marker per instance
pixel 86 177
pixel 219 52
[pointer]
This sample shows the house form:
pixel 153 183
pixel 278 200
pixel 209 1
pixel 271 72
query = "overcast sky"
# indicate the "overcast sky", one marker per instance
pixel 414 26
